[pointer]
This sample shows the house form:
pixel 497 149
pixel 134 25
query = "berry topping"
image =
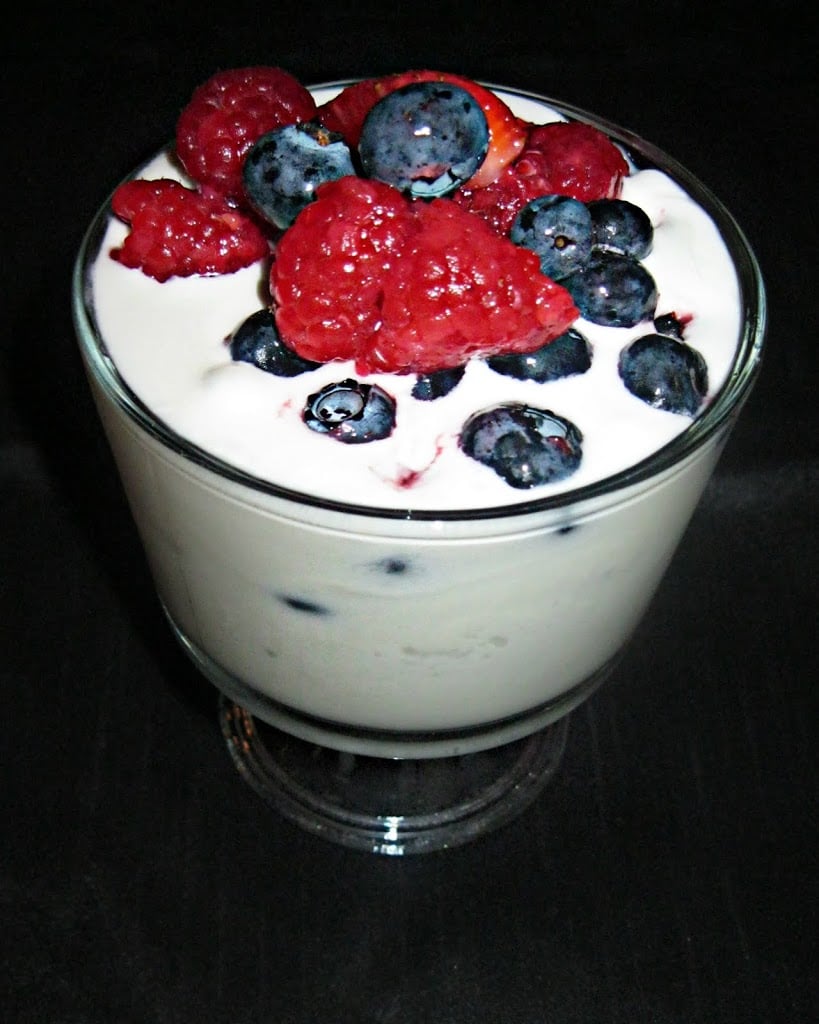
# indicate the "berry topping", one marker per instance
pixel 525 446
pixel 621 227
pixel 227 114
pixel 345 112
pixel 426 138
pixel 351 412
pixel 576 159
pixel 284 167
pixel 507 133
pixel 407 287
pixel 178 232
pixel 430 386
pixel 664 373
pixel 500 202
pixel 559 230
pixel 613 290
pixel 257 341
pixel 563 158
pixel 566 356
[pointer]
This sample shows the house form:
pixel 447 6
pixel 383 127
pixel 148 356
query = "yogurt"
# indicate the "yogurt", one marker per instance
pixel 398 597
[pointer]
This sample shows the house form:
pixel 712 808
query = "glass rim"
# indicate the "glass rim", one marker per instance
pixel 725 403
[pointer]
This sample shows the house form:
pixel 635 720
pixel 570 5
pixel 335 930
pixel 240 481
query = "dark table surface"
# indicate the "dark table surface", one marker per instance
pixel 669 873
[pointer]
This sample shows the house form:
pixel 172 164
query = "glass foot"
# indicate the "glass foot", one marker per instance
pixel 391 806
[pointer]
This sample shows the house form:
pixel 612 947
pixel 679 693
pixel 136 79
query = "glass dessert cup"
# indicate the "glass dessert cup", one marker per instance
pixel 394 680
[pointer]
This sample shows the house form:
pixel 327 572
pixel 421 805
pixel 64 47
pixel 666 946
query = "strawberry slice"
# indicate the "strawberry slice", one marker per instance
pixel 346 112
pixel 507 132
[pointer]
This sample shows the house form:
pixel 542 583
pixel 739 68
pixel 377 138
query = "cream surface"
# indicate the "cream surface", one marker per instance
pixel 169 343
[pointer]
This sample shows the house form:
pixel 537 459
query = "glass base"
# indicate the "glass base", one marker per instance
pixel 391 806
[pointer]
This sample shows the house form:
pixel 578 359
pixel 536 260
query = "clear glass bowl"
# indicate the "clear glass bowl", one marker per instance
pixel 401 681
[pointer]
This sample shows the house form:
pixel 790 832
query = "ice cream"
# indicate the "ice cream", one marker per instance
pixel 400 597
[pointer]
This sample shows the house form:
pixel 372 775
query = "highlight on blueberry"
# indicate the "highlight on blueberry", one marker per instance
pixel 425 138
pixel 621 227
pixel 613 290
pixel 257 341
pixel 283 169
pixel 351 411
pixel 558 229
pixel 665 373
pixel 567 355
pixel 523 445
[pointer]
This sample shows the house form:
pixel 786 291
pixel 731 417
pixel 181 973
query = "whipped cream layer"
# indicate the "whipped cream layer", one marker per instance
pixel 169 342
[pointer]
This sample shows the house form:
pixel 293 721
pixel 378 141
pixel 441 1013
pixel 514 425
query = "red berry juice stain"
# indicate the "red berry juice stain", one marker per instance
pixel 406 478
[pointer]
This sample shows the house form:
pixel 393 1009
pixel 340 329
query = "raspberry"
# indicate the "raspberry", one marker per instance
pixel 564 158
pixel 577 159
pixel 227 114
pixel 461 291
pixel 176 231
pixel 330 266
pixel 346 112
pixel 407 287
pixel 500 202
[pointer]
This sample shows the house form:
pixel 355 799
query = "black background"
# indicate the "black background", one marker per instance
pixel 669 873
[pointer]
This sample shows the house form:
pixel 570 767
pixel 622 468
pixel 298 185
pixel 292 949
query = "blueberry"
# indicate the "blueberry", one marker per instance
pixel 425 138
pixel 283 169
pixel 257 341
pixel 524 446
pixel 559 230
pixel 392 566
pixel 565 356
pixel 300 604
pixel 429 386
pixel 351 412
pixel 613 290
pixel 620 226
pixel 664 373
pixel 670 324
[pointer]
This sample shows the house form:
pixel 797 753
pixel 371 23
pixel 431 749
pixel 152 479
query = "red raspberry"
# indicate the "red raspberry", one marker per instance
pixel 227 114
pixel 176 231
pixel 462 291
pixel 498 204
pixel 346 112
pixel 329 269
pixel 407 287
pixel 564 158
pixel 577 159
